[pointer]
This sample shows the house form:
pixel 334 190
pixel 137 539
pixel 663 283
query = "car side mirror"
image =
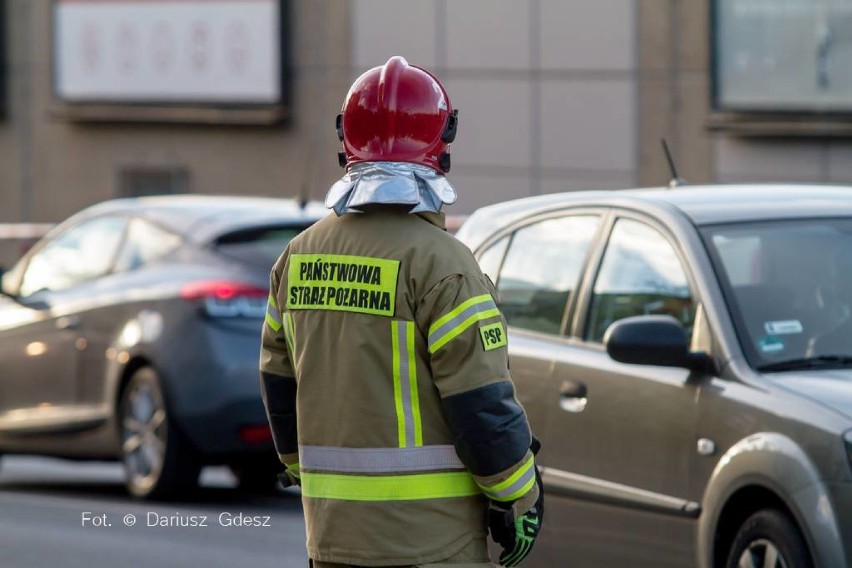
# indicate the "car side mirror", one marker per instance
pixel 653 340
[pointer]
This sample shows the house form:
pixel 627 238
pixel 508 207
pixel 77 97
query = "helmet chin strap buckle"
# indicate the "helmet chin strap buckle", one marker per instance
pixel 452 127
pixel 338 126
pixel 444 161
pixel 341 159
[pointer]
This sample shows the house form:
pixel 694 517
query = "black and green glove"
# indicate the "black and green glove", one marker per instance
pixel 516 535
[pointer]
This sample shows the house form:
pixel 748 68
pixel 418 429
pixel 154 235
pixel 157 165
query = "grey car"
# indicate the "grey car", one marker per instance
pixel 685 357
pixel 132 330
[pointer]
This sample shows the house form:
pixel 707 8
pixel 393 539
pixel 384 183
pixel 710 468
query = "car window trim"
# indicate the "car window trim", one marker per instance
pixel 511 230
pixel 581 319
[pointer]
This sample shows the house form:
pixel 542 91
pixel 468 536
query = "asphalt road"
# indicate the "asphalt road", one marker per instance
pixel 62 514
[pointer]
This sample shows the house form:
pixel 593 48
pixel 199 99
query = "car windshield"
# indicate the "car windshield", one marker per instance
pixel 260 246
pixel 789 288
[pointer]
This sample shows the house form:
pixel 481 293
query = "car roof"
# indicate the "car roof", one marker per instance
pixel 204 217
pixel 702 204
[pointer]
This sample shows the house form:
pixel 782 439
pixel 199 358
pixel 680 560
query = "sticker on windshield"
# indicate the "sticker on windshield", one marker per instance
pixel 784 327
pixel 770 345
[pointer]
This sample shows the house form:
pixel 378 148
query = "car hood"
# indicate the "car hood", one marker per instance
pixel 832 388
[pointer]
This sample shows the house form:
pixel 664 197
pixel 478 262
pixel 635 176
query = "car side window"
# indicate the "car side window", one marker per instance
pixel 145 243
pixel 541 270
pixel 80 253
pixel 640 274
pixel 490 260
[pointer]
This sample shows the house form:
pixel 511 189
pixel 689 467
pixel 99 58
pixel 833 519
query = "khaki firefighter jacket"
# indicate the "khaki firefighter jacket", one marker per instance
pixel 385 378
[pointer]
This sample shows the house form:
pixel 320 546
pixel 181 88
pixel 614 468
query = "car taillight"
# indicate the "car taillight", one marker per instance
pixel 227 299
pixel 255 434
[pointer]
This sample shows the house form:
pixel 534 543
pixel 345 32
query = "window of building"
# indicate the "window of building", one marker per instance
pixel 640 274
pixel 782 56
pixel 541 270
pixel 223 62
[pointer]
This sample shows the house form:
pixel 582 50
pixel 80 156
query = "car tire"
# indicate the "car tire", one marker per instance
pixel 158 461
pixel 769 538
pixel 257 476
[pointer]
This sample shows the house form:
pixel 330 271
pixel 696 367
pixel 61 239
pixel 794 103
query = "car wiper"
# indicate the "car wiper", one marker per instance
pixel 818 362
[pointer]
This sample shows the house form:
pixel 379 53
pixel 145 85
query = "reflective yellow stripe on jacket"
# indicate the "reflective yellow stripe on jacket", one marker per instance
pixel 515 486
pixel 451 325
pixel 273 316
pixel 388 487
pixel 289 334
pixel 405 385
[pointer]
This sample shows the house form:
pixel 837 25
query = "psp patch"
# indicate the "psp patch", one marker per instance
pixel 493 336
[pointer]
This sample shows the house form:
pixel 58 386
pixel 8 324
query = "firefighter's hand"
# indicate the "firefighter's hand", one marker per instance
pixel 516 532
pixel 516 535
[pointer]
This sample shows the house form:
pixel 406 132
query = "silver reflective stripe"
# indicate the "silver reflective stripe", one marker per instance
pixel 273 317
pixel 508 493
pixel 272 312
pixel 379 460
pixel 455 323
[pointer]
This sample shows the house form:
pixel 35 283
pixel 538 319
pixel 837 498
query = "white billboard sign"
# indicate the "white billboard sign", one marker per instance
pixel 164 51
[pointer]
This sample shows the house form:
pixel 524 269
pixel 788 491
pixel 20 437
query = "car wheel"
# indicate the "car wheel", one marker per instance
pixel 769 539
pixel 158 462
pixel 257 476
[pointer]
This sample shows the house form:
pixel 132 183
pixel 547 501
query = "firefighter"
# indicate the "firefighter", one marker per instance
pixel 384 362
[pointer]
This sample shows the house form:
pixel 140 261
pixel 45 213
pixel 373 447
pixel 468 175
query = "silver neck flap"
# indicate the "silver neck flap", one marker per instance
pixel 390 183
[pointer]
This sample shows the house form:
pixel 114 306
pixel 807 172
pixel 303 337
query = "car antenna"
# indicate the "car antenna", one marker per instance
pixel 309 167
pixel 676 180
pixel 305 190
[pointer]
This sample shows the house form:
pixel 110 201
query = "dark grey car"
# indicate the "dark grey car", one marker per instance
pixel 686 358
pixel 132 331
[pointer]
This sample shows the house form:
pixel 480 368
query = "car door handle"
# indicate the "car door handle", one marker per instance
pixel 572 396
pixel 68 322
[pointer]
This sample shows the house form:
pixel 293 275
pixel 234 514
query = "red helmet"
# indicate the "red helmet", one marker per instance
pixel 397 113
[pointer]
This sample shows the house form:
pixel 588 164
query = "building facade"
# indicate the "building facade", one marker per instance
pixel 554 95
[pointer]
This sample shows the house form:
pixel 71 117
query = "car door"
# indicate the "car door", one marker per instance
pixel 623 435
pixel 536 269
pixel 40 334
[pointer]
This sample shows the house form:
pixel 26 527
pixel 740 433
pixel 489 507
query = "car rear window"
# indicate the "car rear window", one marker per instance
pixel 260 246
